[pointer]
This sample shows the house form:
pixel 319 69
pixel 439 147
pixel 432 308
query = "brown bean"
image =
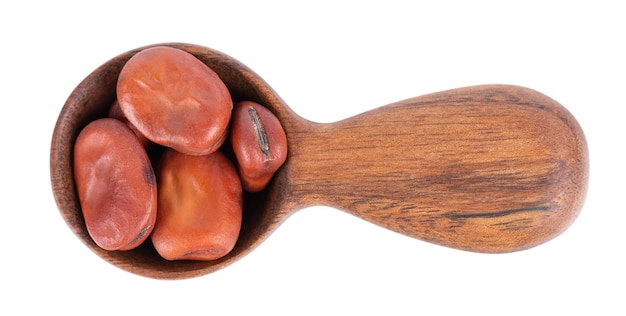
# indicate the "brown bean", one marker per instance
pixel 200 206
pixel 175 100
pixel 115 183
pixel 259 143
pixel 116 112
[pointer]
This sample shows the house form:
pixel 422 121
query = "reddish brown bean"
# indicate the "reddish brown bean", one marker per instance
pixel 115 183
pixel 200 206
pixel 116 112
pixel 259 143
pixel 175 100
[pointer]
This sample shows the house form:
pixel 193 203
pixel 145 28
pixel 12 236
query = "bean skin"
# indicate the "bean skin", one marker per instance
pixel 259 143
pixel 200 206
pixel 169 100
pixel 116 113
pixel 175 100
pixel 116 185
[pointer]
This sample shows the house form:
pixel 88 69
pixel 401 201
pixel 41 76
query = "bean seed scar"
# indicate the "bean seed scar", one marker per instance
pixel 259 131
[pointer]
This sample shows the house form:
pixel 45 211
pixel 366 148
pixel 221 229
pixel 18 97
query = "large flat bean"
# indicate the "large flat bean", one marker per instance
pixel 116 185
pixel 200 206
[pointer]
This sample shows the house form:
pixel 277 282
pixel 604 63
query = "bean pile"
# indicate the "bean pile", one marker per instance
pixel 189 198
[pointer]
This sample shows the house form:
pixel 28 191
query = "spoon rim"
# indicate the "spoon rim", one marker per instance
pixel 88 102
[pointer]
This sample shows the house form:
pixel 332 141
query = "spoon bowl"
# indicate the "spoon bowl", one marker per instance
pixel 492 168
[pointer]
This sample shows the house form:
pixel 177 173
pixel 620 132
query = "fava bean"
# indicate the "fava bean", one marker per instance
pixel 200 206
pixel 116 113
pixel 116 185
pixel 175 100
pixel 259 143
pixel 170 103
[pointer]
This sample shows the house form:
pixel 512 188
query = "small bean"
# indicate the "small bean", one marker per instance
pixel 116 113
pixel 175 100
pixel 259 143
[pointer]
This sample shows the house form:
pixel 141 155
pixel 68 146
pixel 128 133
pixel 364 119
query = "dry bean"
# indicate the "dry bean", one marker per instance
pixel 200 206
pixel 259 143
pixel 115 183
pixel 175 100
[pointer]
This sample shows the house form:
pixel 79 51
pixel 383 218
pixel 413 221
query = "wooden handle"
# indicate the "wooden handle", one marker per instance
pixel 487 168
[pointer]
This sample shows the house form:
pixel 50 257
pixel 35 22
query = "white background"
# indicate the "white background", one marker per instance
pixel 328 60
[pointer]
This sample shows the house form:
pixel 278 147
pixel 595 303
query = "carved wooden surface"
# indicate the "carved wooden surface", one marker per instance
pixel 487 168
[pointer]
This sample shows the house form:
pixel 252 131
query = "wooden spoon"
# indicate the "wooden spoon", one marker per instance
pixel 491 168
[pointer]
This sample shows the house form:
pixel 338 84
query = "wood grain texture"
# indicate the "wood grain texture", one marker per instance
pixel 489 168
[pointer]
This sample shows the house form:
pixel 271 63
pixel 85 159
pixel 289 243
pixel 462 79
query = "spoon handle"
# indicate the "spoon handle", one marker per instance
pixel 488 168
